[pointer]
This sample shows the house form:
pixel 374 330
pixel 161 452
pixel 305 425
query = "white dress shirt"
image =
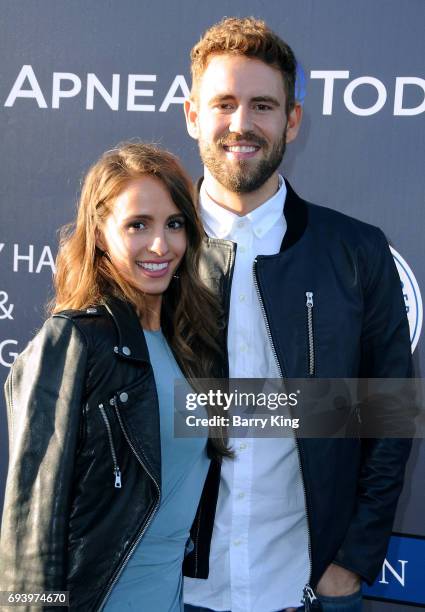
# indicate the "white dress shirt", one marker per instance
pixel 259 560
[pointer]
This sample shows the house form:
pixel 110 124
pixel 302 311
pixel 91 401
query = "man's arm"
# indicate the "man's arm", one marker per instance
pixel 386 353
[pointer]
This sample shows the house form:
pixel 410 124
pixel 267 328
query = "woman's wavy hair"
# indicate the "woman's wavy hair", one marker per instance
pixel 191 316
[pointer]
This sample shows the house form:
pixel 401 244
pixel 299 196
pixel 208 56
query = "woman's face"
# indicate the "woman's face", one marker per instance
pixel 145 236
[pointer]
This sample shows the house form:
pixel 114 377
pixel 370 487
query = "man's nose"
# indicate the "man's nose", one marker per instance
pixel 240 120
pixel 159 244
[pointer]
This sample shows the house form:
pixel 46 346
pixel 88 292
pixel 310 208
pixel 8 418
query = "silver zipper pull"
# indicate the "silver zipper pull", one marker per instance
pixel 117 478
pixel 309 296
pixel 309 597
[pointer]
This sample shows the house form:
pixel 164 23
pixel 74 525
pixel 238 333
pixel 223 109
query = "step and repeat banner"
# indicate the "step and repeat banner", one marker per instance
pixel 78 77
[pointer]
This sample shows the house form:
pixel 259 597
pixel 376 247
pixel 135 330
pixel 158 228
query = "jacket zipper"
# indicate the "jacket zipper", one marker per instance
pixel 117 471
pixel 311 357
pixel 309 597
pixel 308 592
pixel 148 518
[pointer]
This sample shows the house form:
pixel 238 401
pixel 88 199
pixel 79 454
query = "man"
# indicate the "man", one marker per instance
pixel 308 292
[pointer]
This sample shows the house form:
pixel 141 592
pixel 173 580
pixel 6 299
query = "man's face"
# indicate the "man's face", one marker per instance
pixel 240 121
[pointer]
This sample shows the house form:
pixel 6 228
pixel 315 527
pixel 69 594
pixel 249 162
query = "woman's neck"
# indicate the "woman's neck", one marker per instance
pixel 151 315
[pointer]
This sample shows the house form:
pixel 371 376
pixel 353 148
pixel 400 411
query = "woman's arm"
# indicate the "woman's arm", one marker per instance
pixel 44 394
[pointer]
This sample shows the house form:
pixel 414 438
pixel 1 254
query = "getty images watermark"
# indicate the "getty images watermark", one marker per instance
pixel 313 408
pixel 219 400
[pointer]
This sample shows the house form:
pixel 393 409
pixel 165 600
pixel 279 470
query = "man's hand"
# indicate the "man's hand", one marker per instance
pixel 338 581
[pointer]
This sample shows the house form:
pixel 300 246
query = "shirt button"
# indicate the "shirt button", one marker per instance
pixel 237 542
pixel 243 348
pixel 242 297
pixel 241 495
pixel 242 446
pixel 241 223
pixel 242 249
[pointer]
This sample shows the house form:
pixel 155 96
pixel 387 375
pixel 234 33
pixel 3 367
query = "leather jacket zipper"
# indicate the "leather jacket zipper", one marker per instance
pixel 149 517
pixel 311 356
pixel 117 471
pixel 308 593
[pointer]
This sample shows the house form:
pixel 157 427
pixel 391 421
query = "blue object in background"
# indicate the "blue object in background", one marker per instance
pixel 300 84
pixel 402 578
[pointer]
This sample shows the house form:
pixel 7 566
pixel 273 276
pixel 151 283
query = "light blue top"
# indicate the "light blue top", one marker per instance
pixel 152 579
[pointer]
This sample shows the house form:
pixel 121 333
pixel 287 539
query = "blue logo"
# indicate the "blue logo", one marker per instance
pixel 402 577
pixel 300 84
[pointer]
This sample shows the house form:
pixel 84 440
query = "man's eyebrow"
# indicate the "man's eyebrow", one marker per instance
pixel 266 99
pixel 220 98
pixel 258 99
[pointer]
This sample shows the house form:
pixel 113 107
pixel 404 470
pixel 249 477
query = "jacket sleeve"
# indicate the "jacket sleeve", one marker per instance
pixel 386 353
pixel 44 393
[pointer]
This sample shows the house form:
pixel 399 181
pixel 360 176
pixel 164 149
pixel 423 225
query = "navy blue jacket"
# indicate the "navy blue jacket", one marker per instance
pixel 358 328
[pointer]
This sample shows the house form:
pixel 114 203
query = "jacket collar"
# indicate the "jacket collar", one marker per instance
pixel 131 340
pixel 296 215
pixel 295 211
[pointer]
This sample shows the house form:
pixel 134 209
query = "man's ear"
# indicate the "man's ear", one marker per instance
pixel 294 122
pixel 191 114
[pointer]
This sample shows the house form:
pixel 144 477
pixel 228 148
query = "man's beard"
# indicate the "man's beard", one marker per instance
pixel 243 176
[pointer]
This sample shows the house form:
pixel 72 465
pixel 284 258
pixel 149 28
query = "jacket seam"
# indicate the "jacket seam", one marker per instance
pixel 75 324
pixel 376 259
pixel 198 527
pixel 11 408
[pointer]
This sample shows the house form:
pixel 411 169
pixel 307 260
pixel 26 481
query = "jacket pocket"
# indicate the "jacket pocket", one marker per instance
pixel 116 469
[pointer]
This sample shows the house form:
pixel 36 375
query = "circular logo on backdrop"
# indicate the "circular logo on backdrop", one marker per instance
pixel 412 297
pixel 300 84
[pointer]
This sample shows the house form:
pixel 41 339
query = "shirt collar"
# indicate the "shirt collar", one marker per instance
pixel 219 221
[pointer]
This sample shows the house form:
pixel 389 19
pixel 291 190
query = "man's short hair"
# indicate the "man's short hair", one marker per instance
pixel 250 37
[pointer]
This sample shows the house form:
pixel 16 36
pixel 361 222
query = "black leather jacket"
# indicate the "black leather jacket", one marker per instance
pixel 359 329
pixel 85 467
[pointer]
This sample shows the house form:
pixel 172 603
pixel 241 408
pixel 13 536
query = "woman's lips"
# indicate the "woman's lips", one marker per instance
pixel 154 269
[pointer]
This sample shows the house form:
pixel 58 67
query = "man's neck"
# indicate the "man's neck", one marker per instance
pixel 240 203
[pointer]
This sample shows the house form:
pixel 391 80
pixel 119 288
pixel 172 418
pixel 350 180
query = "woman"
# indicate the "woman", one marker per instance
pixel 100 496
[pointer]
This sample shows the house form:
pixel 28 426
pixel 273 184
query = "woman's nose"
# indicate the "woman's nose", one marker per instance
pixel 159 245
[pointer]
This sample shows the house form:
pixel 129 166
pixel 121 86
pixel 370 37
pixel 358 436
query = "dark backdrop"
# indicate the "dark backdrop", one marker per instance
pixel 360 150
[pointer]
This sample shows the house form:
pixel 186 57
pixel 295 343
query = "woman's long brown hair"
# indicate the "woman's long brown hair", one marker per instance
pixel 190 314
